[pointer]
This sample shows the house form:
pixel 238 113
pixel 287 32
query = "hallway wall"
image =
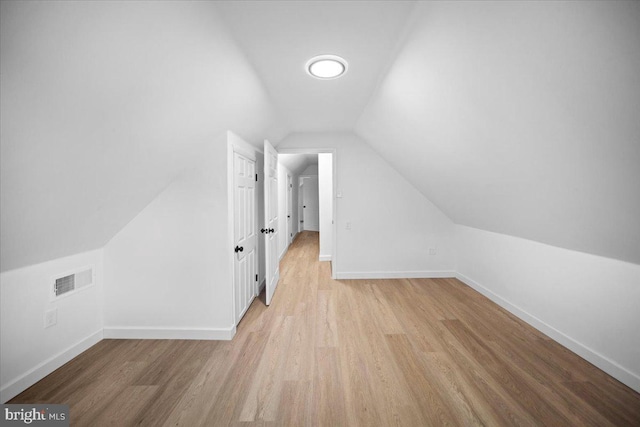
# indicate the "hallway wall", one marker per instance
pixel 168 273
pixel 325 190
pixel 585 302
pixel 385 227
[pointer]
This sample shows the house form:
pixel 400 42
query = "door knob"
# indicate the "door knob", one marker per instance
pixel 264 230
pixel 238 249
pixel 304 206
pixel 288 216
pixel 271 230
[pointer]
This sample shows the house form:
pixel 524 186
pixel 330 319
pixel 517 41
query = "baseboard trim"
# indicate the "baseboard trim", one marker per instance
pixel 219 334
pixel 323 258
pixel 37 373
pixel 394 274
pixel 593 357
pixel 283 253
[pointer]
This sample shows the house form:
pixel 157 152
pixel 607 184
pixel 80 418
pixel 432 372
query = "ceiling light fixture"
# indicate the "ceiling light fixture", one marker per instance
pixel 326 67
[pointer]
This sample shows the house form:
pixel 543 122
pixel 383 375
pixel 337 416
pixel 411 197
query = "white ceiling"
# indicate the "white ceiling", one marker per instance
pixel 521 118
pixel 514 117
pixel 297 163
pixel 279 37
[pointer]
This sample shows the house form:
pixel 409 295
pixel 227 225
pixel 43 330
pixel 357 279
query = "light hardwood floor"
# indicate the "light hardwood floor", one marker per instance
pixel 352 352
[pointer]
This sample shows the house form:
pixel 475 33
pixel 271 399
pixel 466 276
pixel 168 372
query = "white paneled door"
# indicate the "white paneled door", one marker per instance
pixel 245 232
pixel 310 204
pixel 271 219
pixel 289 210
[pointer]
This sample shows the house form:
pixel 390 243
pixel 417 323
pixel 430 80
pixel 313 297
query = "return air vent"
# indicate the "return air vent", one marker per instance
pixel 70 283
pixel 65 284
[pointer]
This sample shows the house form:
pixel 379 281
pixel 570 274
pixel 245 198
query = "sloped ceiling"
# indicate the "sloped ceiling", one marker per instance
pixel 297 163
pixel 279 37
pixel 515 117
pixel 521 118
pixel 101 105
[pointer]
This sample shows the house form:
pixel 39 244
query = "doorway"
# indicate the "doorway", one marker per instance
pixel 322 193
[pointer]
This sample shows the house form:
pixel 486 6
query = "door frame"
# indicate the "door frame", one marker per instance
pixel 334 162
pixel 237 145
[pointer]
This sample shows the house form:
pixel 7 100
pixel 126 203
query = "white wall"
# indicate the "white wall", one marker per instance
pixel 520 118
pixel 28 351
pixel 325 189
pixel 168 272
pixel 586 302
pixel 392 224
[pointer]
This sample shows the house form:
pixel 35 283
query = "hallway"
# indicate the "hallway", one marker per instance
pixel 336 353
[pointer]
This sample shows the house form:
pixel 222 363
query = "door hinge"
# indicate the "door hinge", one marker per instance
pixel 256 177
pixel 256 277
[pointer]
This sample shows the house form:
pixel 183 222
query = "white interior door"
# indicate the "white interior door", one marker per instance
pixel 311 204
pixel 289 209
pixel 245 232
pixel 271 219
pixel 300 203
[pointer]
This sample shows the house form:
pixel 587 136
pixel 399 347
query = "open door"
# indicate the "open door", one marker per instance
pixel 289 210
pixel 271 219
pixel 245 233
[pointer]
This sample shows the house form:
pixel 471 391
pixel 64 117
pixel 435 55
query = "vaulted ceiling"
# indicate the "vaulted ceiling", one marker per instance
pixel 102 105
pixel 279 37
pixel 516 117
pixel 297 163
pixel 521 118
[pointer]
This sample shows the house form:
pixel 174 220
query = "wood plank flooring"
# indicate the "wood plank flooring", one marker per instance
pixel 410 352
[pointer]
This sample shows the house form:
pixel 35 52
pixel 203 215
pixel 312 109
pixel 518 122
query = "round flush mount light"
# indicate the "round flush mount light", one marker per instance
pixel 326 67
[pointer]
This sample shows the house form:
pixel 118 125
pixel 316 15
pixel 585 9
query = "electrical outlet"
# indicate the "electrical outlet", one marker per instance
pixel 50 317
pixel 348 225
pixel 432 251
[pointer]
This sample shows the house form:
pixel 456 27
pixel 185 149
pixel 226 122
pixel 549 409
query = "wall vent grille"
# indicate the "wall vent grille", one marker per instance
pixel 65 284
pixel 72 282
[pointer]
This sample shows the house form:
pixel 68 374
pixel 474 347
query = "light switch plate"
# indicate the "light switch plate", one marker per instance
pixel 50 317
